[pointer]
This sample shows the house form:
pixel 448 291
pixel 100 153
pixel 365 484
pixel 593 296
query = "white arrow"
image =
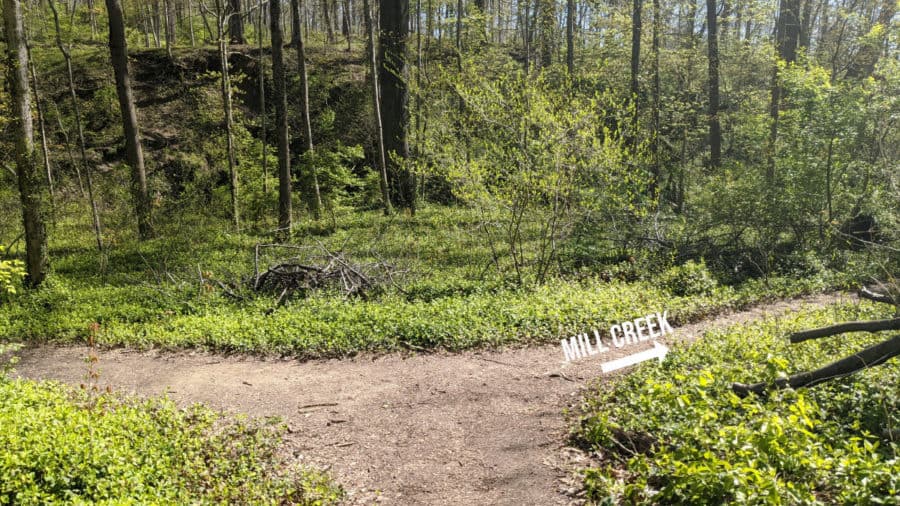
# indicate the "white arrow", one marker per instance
pixel 658 351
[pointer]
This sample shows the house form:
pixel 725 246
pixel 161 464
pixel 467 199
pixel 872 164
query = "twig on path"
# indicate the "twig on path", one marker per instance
pixel 318 405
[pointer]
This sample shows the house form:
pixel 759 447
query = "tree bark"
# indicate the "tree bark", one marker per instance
pixel 262 98
pixel 787 35
pixel 236 23
pixel 118 49
pixel 32 188
pixel 393 76
pixel 285 211
pixel 547 19
pixel 715 133
pixel 376 100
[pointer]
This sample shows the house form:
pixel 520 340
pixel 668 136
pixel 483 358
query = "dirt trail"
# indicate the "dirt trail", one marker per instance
pixel 480 427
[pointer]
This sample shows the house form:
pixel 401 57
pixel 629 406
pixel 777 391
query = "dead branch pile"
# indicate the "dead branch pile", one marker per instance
pixel 318 268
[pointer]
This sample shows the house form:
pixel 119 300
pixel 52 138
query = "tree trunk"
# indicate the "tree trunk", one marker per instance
pixel 379 129
pixel 229 128
pixel 787 35
pixel 715 133
pixel 45 153
pixel 316 201
pixel 547 19
pixel 863 65
pixel 32 189
pixel 262 99
pixel 190 21
pixel 657 26
pixel 570 36
pixel 393 75
pixel 281 124
pixel 169 28
pixel 329 29
pixel 635 61
pixel 236 23
pixel 67 56
pixel 118 49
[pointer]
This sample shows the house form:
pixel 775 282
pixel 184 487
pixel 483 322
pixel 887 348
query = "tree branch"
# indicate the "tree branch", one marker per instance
pixel 865 293
pixel 870 357
pixel 863 326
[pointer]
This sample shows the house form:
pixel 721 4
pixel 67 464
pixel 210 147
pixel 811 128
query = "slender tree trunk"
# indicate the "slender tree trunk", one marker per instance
pixel 570 36
pixel 262 99
pixel 329 29
pixel 32 189
pixel 393 75
pixel 376 100
pixel 229 121
pixel 636 27
pixel 45 153
pixel 281 124
pixel 715 133
pixel 190 21
pixel 316 201
pixel 82 145
pixel 169 26
pixel 657 26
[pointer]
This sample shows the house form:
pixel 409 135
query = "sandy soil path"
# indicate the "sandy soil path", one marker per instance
pixel 480 427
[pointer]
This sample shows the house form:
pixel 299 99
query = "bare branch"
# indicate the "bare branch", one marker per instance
pixel 863 326
pixel 865 293
pixel 870 357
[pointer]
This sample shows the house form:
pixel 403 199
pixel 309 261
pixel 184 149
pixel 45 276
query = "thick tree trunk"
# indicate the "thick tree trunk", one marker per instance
pixel 329 28
pixel 393 76
pixel 547 19
pixel 281 124
pixel 376 100
pixel 236 23
pixel 32 187
pixel 118 49
pixel 715 133
pixel 863 65
pixel 787 36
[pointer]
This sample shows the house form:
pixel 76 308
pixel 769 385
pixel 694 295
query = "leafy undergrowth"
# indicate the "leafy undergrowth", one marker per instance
pixel 326 326
pixel 66 446
pixel 675 433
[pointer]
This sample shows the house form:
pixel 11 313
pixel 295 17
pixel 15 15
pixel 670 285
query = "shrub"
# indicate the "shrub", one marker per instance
pixel 689 279
pixel 80 447
pixel 11 274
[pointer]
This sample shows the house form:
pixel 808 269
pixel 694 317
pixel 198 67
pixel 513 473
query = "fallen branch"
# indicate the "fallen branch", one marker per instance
pixel 870 357
pixel 863 326
pixel 865 293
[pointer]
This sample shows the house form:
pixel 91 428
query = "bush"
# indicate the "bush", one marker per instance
pixel 11 274
pixel 689 279
pixel 64 446
pixel 676 434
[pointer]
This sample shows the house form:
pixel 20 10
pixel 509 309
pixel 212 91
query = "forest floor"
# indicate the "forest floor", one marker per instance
pixel 478 427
